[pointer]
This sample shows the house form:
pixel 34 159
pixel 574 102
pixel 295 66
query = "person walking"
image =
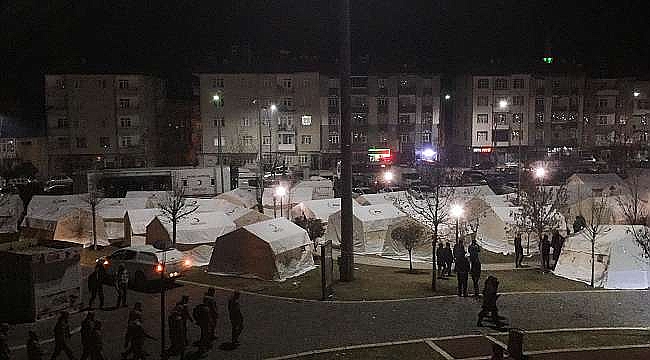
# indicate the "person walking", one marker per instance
pixel 135 313
pixel 545 249
pixel 61 336
pixel 475 265
pixel 440 260
pixel 96 285
pixel 449 259
pixel 34 351
pixel 122 285
pixel 177 332
pixel 557 241
pixel 211 301
pixel 462 272
pixel 87 326
pixel 5 353
pixel 134 341
pixel 519 251
pixel 201 315
pixel 236 318
pixel 490 296
pixel 96 342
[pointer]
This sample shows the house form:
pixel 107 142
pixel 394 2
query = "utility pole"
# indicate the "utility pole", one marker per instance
pixel 347 255
pixel 217 100
pixel 260 170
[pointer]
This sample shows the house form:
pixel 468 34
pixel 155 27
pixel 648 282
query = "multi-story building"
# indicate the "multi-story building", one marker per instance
pixel 24 150
pixel 285 106
pixel 96 121
pixel 499 117
pixel 399 112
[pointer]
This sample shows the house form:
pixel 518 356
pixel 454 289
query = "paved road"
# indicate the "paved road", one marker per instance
pixel 276 327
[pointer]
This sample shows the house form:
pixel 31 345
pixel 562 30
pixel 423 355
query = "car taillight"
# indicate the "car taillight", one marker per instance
pixel 159 268
pixel 187 262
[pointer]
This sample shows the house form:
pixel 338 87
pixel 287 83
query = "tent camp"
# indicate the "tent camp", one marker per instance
pixel 11 209
pixel 293 197
pixel 44 211
pixel 619 264
pixel 275 249
pixel 381 198
pixel 191 231
pixel 582 186
pixel 371 225
pixel 135 225
pixel 321 188
pixel 248 217
pixel 615 214
pixel 153 197
pixel 317 209
pixel 76 226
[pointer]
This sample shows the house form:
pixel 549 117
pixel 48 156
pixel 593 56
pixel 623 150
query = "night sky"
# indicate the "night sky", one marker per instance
pixel 173 38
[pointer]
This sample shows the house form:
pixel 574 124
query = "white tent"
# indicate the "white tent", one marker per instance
pixel 582 186
pixel 381 198
pixel 292 197
pixel 317 209
pixel 192 230
pixel 76 226
pixel 153 197
pixel 213 205
pixel 112 211
pixel 371 225
pixel 11 209
pixel 275 249
pixel 620 263
pixel 615 215
pixel 321 188
pixel 241 197
pixel 135 225
pixel 44 211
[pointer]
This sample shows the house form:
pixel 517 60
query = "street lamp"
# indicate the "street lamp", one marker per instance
pixel 636 93
pixel 388 176
pixel 503 103
pixel 280 191
pixel 456 211
pixel 217 101
pixel 447 96
pixel 540 173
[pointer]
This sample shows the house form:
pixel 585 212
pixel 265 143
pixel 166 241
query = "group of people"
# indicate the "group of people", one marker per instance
pixel 205 315
pixel 556 243
pixel 99 277
pixel 465 263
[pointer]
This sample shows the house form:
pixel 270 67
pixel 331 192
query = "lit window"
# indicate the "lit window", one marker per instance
pixel 333 138
pixel 306 139
pixel 481 135
pixel 216 142
pixel 483 83
pixel 306 120
pixel 482 118
pixel 426 137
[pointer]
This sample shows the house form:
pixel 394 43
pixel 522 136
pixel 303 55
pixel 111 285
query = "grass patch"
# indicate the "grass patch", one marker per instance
pixel 488 257
pixel 393 352
pixel 381 283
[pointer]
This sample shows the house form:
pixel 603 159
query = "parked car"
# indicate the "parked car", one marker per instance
pixel 59 180
pixel 145 264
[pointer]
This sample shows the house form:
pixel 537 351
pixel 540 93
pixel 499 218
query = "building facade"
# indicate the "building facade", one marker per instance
pixel 396 112
pixel 102 121
pixel 286 107
pixel 30 150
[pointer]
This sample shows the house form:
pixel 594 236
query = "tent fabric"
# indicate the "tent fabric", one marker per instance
pixel 197 228
pixel 291 198
pixel 44 211
pixel 76 226
pixel 317 209
pixel 212 205
pixel 241 197
pixel 115 208
pixel 275 249
pixel 249 217
pixel 370 227
pixel 200 255
pixel 620 263
pixel 583 186
pixel 381 198
pixel 11 209
pixel 615 214
pixel 321 188
pixel 135 224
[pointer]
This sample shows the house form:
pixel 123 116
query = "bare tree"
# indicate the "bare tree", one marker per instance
pixel 430 209
pixel 315 227
pixel 94 200
pixel 596 226
pixel 174 207
pixel 634 208
pixel 410 234
pixel 540 209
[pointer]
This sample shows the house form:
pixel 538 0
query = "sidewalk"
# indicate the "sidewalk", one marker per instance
pixel 420 265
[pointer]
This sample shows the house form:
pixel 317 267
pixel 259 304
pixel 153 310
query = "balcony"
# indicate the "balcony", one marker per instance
pixel 407 108
pixel 287 147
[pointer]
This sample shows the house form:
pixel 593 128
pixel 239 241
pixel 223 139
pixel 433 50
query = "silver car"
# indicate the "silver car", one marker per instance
pixel 146 263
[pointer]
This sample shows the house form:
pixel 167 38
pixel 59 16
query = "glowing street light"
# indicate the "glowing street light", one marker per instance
pixel 280 191
pixel 216 98
pixel 503 104
pixel 447 96
pixel 388 176
pixel 274 107
pixel 428 154
pixel 540 173
pixel 636 93
pixel 456 211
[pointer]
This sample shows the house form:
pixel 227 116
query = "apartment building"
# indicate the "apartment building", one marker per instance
pixel 397 112
pixel 30 150
pixel 499 117
pixel 285 105
pixel 102 121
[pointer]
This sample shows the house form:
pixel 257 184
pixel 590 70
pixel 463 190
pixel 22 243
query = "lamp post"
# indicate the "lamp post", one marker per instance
pixel 456 212
pixel 540 173
pixel 388 178
pixel 503 104
pixel 273 109
pixel 260 172
pixel 217 101
pixel 280 191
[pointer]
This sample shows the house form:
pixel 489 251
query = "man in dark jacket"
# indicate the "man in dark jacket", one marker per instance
pixel 556 243
pixel 61 336
pixel 134 341
pixel 236 318
pixel 519 251
pixel 440 260
pixel 201 315
pixel 545 250
pixel 449 259
pixel 462 271
pixel 211 301
pixel 96 284
pixel 490 297
pixel 475 265
pixel 177 332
